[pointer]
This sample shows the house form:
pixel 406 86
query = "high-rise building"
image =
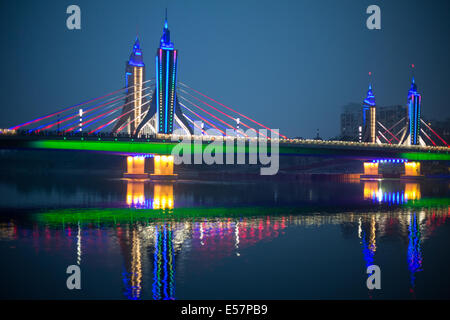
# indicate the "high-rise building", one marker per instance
pixel 369 118
pixel 134 101
pixel 411 135
pixel 351 121
pixel 165 110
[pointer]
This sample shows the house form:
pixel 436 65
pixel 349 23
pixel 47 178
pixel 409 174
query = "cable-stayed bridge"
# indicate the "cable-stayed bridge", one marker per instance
pixel 149 117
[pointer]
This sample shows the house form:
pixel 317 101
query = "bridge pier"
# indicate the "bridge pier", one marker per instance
pixel 136 168
pixel 370 171
pixel 163 168
pixel 412 171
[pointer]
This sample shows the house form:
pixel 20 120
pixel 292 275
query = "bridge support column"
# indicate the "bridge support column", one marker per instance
pixel 163 168
pixel 412 171
pixel 136 168
pixel 370 171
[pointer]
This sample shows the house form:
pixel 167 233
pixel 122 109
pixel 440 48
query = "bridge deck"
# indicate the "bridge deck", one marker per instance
pixel 164 146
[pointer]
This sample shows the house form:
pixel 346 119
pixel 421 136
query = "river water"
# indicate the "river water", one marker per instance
pixel 233 240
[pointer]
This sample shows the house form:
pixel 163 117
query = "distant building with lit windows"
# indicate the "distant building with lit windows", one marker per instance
pixel 352 119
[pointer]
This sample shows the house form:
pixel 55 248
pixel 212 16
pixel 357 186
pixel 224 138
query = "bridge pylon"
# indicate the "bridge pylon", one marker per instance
pixel 165 110
pixel 411 133
pixel 369 118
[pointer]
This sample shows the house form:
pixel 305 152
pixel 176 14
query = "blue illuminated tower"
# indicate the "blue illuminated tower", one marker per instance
pixel 134 101
pixel 166 77
pixel 414 102
pixel 412 132
pixel 369 117
pixel 165 109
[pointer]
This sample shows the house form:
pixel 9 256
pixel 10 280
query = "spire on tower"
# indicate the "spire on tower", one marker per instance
pixel 137 45
pixel 166 26
pixel 136 58
pixel 165 39
pixel 368 133
pixel 413 88
pixel 370 98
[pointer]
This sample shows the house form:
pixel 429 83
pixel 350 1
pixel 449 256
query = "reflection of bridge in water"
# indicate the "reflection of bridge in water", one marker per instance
pixel 158 246
pixel 373 190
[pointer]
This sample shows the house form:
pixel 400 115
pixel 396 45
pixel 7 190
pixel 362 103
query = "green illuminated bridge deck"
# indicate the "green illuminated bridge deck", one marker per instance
pixel 292 147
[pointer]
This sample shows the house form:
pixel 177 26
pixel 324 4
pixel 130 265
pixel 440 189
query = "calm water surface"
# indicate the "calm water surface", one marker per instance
pixel 211 240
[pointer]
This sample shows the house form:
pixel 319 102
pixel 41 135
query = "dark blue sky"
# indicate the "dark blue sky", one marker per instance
pixel 289 64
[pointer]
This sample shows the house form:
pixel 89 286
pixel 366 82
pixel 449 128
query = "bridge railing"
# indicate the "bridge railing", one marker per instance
pixel 153 137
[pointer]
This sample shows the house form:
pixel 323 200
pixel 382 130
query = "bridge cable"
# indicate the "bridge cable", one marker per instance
pixel 242 115
pixel 203 119
pixel 102 115
pixel 425 134
pixel 384 137
pixel 242 123
pixel 69 108
pixel 117 118
pixel 434 132
pixel 218 111
pixel 387 130
pixel 89 110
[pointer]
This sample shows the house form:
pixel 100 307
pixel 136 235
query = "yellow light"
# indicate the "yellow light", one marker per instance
pixel 412 191
pixel 370 188
pixel 412 168
pixel 370 168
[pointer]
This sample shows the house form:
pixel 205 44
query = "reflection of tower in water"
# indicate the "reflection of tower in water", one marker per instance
pixel 130 242
pixel 369 226
pixel 414 248
pixel 367 233
pixel 163 264
pixel 130 245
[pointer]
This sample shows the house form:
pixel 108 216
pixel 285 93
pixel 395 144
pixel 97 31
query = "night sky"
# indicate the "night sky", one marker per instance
pixel 288 64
